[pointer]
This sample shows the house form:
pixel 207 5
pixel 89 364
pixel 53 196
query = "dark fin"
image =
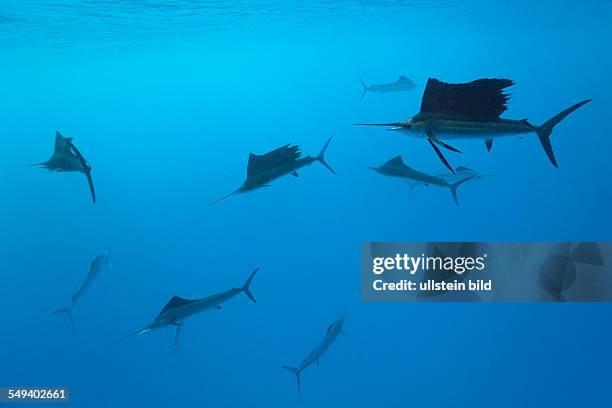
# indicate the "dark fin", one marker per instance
pixel 295 174
pixel 277 157
pixel 482 99
pixel 463 168
pixel 546 129
pixel 432 141
pixel 218 307
pixel 588 253
pixel 68 312
pixel 453 188
pixel 447 146
pixel 247 286
pixel 62 144
pixel 92 190
pixel 321 157
pixel 174 302
pixel 489 144
pixel 365 89
pixel 441 156
pixel 177 333
pixel 402 78
pixel 297 374
pixel 86 169
pixel 395 161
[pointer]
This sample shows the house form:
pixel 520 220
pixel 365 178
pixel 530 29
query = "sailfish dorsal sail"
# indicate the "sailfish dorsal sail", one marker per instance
pixel 174 302
pixel 62 144
pixel 278 157
pixel 479 100
pixel 396 162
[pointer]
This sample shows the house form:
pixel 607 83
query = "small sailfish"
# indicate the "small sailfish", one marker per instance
pixel 402 84
pixel 265 168
pixel 396 167
pixel 178 309
pixel 98 264
pixel 66 157
pixel 472 111
pixel 333 331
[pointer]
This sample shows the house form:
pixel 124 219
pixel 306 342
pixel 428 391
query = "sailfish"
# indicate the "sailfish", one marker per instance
pixel 472 111
pixel 66 157
pixel 265 168
pixel 178 309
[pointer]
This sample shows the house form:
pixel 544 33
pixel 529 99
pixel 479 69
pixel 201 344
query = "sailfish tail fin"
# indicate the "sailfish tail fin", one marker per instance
pixel 365 89
pixel 321 157
pixel 68 312
pixel 297 374
pixel 247 286
pixel 544 131
pixel 453 188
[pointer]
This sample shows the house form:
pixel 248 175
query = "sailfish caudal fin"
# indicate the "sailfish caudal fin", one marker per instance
pixel 546 129
pixel 453 188
pixel 297 374
pixel 247 286
pixel 365 89
pixel 321 156
pixel 67 311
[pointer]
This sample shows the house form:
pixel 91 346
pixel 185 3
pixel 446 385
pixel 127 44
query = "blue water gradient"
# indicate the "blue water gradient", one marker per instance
pixel 167 98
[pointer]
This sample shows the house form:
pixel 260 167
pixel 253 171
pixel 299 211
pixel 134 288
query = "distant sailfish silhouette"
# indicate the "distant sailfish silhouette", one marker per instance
pixel 66 157
pixel 402 84
pixel 333 331
pixel 99 263
pixel 178 309
pixel 262 169
pixel 472 111
pixel 396 167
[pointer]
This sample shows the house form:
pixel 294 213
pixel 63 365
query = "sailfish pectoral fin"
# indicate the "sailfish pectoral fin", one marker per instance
pixel 433 140
pixel 179 327
pixel 441 156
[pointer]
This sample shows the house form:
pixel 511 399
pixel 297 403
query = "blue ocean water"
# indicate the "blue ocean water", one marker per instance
pixel 167 98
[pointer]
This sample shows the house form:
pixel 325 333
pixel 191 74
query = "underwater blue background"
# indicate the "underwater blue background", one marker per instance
pixel 167 98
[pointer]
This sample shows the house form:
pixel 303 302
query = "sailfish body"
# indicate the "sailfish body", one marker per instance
pixel 285 160
pixel 396 167
pixel 402 84
pixel 332 333
pixel 67 158
pixel 98 264
pixel 178 309
pixel 472 111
